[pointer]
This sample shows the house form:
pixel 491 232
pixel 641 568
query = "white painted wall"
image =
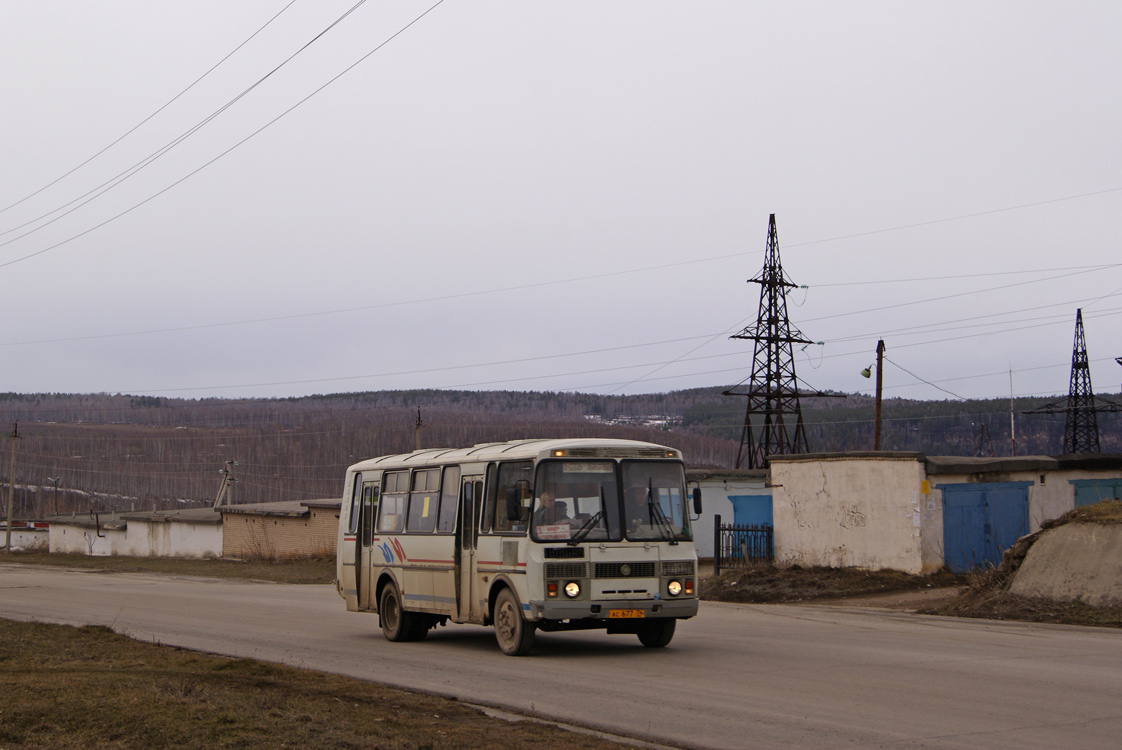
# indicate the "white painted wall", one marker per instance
pixel 865 512
pixel 26 539
pixel 715 492
pixel 139 539
pixel 68 539
pixel 172 539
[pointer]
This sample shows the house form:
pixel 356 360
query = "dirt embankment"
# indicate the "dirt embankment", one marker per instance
pixel 1063 589
pixel 1043 578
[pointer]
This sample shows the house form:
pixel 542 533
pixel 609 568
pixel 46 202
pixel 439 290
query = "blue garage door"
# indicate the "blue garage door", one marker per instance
pixel 751 509
pixel 980 521
pixel 1091 491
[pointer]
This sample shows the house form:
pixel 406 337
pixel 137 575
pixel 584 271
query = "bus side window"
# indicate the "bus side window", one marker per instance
pixel 424 501
pixel 449 500
pixel 485 505
pixel 356 497
pixel 517 476
pixel 395 492
pixel 369 509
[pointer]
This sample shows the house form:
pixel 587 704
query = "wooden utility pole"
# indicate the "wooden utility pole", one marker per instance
pixel 1012 421
pixel 417 431
pixel 11 488
pixel 880 390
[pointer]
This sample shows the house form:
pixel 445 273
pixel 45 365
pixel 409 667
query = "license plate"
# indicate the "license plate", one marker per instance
pixel 614 613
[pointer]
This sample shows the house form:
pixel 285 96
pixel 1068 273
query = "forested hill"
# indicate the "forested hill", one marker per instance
pixel 120 451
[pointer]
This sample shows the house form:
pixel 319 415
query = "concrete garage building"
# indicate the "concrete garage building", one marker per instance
pixel 195 532
pixel 737 496
pixel 914 513
pixel 296 528
pixel 271 530
pixel 26 535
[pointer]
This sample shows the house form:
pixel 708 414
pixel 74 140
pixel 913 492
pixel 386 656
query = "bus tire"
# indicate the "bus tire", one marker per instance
pixel 515 636
pixel 657 633
pixel 397 624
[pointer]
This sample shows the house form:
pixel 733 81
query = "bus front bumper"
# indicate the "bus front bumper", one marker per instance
pixel 613 610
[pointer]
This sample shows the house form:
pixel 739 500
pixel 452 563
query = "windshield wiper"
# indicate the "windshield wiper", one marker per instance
pixel 664 524
pixel 588 525
pixel 583 531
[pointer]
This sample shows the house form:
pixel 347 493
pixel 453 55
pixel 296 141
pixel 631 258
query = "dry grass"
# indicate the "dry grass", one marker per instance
pixel 1107 513
pixel 65 687
pixel 294 570
pixel 765 583
pixel 985 597
pixel 984 594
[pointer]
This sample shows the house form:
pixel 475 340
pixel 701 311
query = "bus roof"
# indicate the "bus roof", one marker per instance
pixel 521 449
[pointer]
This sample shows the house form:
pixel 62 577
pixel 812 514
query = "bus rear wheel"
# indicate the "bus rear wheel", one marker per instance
pixel 397 624
pixel 515 636
pixel 657 633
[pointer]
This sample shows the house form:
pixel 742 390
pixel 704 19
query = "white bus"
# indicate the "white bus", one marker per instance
pixel 525 535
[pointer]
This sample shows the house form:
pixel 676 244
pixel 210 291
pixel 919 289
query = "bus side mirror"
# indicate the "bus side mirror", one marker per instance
pixel 697 501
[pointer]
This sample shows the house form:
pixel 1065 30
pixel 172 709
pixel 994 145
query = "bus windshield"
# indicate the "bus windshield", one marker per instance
pixel 576 501
pixel 574 498
pixel 655 501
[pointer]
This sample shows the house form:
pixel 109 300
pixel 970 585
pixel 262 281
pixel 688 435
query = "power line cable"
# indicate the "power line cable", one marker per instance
pixel 917 377
pixel 946 325
pixel 957 295
pixel 461 295
pixel 191 174
pixel 616 386
pixel 960 217
pixel 954 277
pixel 113 182
pixel 134 128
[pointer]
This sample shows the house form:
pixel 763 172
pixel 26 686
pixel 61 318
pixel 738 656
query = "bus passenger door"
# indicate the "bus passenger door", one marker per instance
pixel 363 559
pixel 467 535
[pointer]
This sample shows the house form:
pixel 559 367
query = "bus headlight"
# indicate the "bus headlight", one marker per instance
pixel 674 588
pixel 572 589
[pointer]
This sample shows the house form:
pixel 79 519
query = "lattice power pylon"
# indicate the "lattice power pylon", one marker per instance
pixel 983 445
pixel 773 391
pixel 1081 430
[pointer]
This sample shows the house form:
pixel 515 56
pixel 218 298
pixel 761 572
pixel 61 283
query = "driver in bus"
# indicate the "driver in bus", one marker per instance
pixel 636 507
pixel 551 512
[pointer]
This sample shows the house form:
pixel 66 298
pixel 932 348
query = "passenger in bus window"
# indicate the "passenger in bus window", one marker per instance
pixel 550 512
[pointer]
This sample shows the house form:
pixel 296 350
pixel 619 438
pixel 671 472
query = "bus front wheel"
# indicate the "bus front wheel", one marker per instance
pixel 657 633
pixel 514 635
pixel 397 624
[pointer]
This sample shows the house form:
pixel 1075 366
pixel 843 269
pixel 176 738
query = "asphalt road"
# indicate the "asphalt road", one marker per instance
pixel 736 676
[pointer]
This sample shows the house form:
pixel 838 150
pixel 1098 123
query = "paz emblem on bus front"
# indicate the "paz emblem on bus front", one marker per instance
pixel 625 570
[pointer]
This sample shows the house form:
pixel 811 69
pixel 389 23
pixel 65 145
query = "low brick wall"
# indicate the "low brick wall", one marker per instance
pixel 265 534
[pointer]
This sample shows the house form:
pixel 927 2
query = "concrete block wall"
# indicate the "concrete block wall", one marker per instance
pixel 75 539
pixel 174 539
pixel 246 535
pixel 865 512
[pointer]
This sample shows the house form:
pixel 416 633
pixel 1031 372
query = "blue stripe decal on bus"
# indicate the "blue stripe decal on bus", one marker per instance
pixel 427 598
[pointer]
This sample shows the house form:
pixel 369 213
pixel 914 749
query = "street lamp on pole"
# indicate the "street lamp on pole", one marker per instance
pixel 867 372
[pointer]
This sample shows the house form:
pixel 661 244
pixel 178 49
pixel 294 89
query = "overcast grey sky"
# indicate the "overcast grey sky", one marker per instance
pixel 556 195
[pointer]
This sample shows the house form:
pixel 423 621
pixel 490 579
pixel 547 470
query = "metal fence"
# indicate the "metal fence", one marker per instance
pixel 735 545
